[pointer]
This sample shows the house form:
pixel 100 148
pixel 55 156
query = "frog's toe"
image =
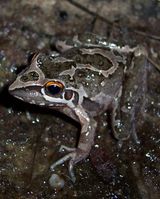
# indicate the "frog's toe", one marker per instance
pixel 71 172
pixel 62 160
pixel 77 156
pixel 69 149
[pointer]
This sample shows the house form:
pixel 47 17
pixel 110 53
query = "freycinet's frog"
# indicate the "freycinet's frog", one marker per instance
pixel 83 81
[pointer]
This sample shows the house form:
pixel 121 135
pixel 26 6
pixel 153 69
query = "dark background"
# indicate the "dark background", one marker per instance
pixel 31 137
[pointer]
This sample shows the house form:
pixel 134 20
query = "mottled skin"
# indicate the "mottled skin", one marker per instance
pixel 91 72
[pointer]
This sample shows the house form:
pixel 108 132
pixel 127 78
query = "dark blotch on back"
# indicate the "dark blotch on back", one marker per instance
pixel 98 61
pixel 52 67
pixel 31 76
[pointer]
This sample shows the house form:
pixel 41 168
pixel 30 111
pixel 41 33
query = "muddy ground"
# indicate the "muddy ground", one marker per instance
pixel 31 136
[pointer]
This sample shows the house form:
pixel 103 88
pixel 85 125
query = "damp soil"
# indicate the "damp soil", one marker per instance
pixel 31 136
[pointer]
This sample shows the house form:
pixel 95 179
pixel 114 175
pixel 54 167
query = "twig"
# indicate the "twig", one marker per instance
pixel 80 6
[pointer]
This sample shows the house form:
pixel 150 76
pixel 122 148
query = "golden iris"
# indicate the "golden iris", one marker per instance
pixel 54 87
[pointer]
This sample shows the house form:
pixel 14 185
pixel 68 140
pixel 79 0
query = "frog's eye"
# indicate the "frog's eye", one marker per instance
pixel 53 87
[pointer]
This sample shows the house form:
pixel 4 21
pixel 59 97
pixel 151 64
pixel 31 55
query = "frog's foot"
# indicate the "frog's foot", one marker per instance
pixel 74 156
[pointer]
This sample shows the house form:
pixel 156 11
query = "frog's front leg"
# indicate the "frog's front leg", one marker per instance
pixel 86 140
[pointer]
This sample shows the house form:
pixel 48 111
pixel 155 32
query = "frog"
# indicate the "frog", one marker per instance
pixel 82 79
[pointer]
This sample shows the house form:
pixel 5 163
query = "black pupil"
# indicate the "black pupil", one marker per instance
pixel 53 89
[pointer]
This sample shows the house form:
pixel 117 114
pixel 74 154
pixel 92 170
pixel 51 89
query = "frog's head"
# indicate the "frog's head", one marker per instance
pixel 33 86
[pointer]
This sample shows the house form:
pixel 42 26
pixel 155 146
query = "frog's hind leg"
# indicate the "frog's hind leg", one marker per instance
pixel 116 119
pixel 123 120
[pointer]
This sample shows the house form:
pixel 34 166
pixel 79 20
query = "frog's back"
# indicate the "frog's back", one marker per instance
pixel 98 70
pixel 87 61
